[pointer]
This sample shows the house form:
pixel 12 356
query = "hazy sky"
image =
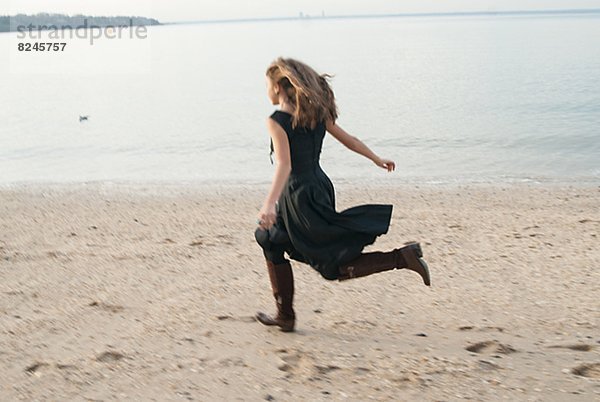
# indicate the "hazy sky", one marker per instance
pixel 185 10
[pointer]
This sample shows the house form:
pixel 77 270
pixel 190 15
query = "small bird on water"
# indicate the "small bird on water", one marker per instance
pixel 83 118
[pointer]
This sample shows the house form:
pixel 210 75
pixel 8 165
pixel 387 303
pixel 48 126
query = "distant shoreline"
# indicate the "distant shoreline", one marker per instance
pixel 47 21
pixel 8 23
pixel 590 11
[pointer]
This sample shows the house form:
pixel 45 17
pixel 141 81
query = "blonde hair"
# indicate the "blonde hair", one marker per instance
pixel 306 89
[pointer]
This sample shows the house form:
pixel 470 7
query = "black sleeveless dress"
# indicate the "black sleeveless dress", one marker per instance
pixel 307 221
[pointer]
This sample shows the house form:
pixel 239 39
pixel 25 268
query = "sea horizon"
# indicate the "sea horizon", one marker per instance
pixel 323 16
pixel 568 11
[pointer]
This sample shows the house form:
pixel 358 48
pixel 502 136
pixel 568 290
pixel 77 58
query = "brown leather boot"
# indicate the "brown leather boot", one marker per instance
pixel 408 257
pixel 282 284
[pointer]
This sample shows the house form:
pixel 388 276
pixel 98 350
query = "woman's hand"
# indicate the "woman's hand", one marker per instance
pixel 385 163
pixel 267 215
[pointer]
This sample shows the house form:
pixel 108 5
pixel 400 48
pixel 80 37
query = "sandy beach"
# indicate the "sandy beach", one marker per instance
pixel 148 292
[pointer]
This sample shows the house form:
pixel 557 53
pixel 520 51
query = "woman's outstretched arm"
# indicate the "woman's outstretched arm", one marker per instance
pixel 283 168
pixel 353 143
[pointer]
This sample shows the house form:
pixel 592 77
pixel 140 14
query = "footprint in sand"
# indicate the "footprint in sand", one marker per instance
pixel 110 356
pixel 294 361
pixel 362 370
pixel 582 347
pixel 590 370
pixel 232 361
pixel 66 366
pixel 198 241
pixel 113 308
pixel 244 318
pixel 37 367
pixel 482 329
pixel 302 363
pixel 224 239
pixel 324 370
pixel 290 360
pixel 490 347
pixel 487 365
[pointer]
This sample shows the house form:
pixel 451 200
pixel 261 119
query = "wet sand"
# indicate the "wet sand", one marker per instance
pixel 148 293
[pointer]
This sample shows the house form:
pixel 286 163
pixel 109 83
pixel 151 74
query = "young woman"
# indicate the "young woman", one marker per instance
pixel 298 216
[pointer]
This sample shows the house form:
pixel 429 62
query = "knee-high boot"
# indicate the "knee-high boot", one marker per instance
pixel 282 284
pixel 409 257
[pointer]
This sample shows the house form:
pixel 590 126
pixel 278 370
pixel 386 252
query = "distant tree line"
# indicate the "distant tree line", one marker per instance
pixel 58 21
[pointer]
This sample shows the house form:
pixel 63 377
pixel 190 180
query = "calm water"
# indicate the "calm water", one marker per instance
pixel 448 99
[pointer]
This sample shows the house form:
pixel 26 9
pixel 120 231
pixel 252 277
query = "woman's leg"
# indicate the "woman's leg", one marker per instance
pixel 273 252
pixel 409 257
pixel 282 281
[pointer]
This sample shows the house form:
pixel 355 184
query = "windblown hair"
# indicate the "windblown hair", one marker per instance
pixel 306 89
